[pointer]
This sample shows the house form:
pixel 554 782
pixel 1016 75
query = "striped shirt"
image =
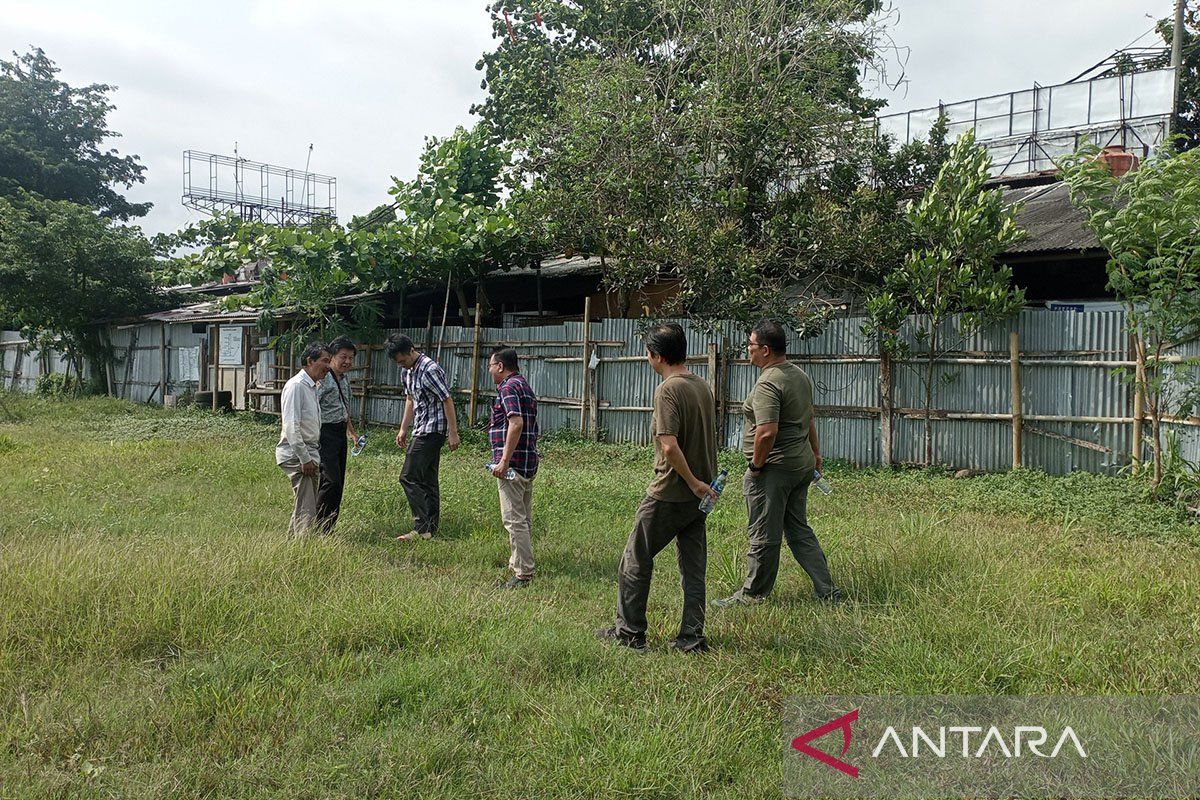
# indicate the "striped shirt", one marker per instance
pixel 515 398
pixel 426 384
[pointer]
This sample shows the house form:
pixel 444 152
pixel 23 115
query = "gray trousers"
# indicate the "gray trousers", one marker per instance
pixel 656 524
pixel 304 487
pixel 776 502
pixel 419 477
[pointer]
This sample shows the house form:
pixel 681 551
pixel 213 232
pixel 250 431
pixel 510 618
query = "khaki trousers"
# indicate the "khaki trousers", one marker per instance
pixel 304 515
pixel 516 510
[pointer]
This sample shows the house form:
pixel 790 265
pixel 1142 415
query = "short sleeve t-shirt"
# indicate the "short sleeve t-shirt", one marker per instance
pixel 782 394
pixel 683 408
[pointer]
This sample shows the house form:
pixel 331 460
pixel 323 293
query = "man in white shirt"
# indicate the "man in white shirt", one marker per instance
pixel 298 452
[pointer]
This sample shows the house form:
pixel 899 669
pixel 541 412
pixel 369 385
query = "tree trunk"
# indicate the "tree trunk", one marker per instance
pixel 929 370
pixel 461 294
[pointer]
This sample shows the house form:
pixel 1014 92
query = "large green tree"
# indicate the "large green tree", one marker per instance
pixel 685 141
pixel 63 268
pixel 54 139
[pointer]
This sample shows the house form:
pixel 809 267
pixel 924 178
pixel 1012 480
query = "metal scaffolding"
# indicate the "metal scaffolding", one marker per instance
pixel 255 191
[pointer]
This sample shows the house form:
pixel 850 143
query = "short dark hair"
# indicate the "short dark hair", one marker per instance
pixel 342 343
pixel 771 334
pixel 312 352
pixel 668 342
pixel 507 356
pixel 398 344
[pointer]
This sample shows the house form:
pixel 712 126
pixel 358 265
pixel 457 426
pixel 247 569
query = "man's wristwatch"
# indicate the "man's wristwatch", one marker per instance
pixel 753 468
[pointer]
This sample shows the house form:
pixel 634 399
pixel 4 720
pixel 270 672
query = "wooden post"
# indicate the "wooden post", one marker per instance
pixel 216 364
pixel 585 390
pixel 108 366
pixel 162 364
pixel 886 407
pixel 474 366
pixel 362 406
pixel 713 368
pixel 1139 402
pixel 17 364
pixel 130 355
pixel 247 353
pixel 1014 366
pixel 594 405
pixel 724 357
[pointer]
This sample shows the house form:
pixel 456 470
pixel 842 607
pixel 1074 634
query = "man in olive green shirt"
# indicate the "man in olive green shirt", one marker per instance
pixel 784 452
pixel 685 463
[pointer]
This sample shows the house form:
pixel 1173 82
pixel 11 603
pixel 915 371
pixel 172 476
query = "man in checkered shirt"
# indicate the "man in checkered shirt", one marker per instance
pixel 513 433
pixel 429 415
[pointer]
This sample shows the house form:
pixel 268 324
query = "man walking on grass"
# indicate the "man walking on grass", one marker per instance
pixel 781 445
pixel 685 462
pixel 298 452
pixel 513 432
pixel 333 395
pixel 429 415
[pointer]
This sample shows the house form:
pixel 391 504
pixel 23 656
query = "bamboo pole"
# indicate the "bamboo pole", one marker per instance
pixel 1139 403
pixel 162 363
pixel 362 406
pixel 585 389
pixel 474 366
pixel 216 365
pixel 429 329
pixel 723 390
pixel 886 407
pixel 713 368
pixel 1014 348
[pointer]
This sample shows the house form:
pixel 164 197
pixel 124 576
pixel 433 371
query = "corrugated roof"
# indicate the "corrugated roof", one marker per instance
pixel 1053 224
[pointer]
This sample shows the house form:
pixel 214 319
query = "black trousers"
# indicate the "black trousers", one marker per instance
pixel 332 448
pixel 657 523
pixel 419 477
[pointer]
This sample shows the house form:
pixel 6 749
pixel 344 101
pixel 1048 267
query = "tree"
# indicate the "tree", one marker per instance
pixel 960 228
pixel 52 140
pixel 685 146
pixel 63 268
pixel 1149 222
pixel 1186 121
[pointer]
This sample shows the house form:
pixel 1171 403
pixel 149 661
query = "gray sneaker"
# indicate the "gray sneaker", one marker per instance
pixel 737 599
pixel 517 583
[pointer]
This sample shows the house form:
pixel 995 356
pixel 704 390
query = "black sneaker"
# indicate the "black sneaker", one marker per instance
pixel 834 598
pixel 516 583
pixel 611 636
pixel 688 647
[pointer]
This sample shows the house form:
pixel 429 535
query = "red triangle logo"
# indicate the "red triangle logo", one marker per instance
pixel 843 722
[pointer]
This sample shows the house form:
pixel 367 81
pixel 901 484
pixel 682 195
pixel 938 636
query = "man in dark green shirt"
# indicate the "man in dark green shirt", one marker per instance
pixel 784 453
pixel 685 462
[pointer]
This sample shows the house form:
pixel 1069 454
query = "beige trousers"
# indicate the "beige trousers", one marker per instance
pixel 304 515
pixel 516 510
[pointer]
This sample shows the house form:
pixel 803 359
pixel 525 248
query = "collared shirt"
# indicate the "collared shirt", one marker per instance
pixel 515 398
pixel 426 384
pixel 301 414
pixel 334 396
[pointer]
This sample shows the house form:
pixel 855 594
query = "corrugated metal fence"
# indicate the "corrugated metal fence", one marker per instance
pixel 1076 413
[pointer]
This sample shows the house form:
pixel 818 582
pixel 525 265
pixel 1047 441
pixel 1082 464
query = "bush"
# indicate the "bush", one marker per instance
pixel 58 385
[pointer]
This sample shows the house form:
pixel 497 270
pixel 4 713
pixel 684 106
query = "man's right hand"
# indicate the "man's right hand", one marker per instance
pixel 309 468
pixel 402 439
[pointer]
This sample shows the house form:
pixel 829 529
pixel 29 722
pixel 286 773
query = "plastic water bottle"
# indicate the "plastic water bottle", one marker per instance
pixel 822 485
pixel 718 486
pixel 359 444
pixel 508 476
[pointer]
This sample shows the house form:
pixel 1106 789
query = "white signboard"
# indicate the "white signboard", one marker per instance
pixel 187 366
pixel 231 347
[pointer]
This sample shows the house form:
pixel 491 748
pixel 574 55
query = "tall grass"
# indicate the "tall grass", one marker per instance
pixel 161 637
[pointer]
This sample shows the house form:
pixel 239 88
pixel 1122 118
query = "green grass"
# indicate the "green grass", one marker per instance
pixel 160 637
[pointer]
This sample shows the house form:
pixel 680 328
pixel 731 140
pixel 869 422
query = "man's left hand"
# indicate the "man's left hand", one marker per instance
pixel 452 441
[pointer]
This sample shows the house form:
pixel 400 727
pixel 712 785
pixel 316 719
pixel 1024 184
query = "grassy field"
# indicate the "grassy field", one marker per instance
pixel 160 637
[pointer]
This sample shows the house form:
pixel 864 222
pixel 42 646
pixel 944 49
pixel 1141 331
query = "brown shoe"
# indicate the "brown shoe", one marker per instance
pixel 413 536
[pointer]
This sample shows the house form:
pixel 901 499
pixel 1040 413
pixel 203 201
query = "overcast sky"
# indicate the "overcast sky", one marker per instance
pixel 364 82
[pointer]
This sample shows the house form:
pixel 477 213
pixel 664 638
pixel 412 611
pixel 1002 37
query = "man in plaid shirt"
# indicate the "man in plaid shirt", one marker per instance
pixel 513 433
pixel 429 415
